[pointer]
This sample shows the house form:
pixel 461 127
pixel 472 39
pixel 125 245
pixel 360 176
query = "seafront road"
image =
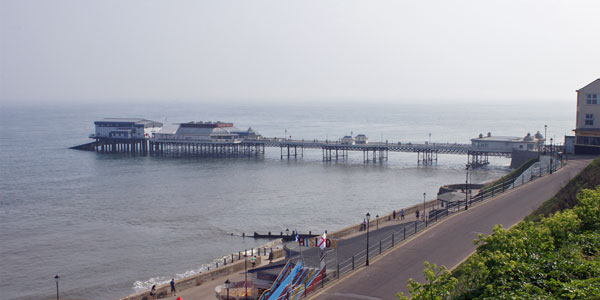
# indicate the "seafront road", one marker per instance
pixel 448 242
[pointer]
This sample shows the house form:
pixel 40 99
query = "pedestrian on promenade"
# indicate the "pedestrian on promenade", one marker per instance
pixel 253 261
pixel 364 224
pixel 402 214
pixel 173 292
pixel 153 292
pixel 417 214
pixel 394 214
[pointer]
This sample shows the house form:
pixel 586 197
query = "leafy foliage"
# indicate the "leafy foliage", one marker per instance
pixel 556 258
pixel 438 287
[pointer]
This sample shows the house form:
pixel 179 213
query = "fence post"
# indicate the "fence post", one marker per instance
pixel 338 271
pixel 231 258
pixel 436 214
pixel 392 240
pixel 379 246
pixel 224 261
pixel 352 262
pixel 415 226
pixel 404 233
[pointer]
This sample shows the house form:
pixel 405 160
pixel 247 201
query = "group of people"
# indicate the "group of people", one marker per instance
pixel 401 214
pixel 363 226
pixel 154 292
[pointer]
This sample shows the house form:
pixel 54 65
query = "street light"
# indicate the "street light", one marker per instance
pixel 246 273
pixel 368 216
pixel 467 189
pixel 57 278
pixel 377 216
pixel 545 133
pixel 424 195
pixel 227 285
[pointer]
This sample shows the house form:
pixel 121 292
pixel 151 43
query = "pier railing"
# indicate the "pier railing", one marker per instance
pixel 337 269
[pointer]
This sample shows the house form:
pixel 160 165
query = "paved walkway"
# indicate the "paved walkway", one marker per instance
pixel 448 242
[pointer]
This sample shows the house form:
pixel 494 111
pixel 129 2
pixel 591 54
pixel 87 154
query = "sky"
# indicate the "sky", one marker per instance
pixel 297 51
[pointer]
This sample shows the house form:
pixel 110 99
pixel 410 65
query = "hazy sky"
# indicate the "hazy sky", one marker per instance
pixel 297 50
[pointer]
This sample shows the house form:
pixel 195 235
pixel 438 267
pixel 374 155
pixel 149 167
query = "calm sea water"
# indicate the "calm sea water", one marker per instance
pixel 112 224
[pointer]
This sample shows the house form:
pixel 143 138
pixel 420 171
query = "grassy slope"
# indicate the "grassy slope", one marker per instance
pixel 566 197
pixel 512 175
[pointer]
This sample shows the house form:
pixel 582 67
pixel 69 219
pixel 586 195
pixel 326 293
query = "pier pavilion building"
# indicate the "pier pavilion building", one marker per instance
pixel 587 131
pixel 205 138
pixel 206 132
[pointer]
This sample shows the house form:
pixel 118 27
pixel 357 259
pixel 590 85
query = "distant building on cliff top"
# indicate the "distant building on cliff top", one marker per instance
pixel 587 131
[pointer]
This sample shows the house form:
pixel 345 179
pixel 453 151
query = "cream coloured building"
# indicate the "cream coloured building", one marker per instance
pixel 587 132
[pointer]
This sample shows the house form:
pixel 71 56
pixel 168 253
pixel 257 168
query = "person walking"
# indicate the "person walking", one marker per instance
pixel 402 214
pixel 253 261
pixel 173 291
pixel 417 214
pixel 394 214
pixel 153 292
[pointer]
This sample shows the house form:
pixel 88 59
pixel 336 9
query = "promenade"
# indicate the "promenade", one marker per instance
pixel 448 242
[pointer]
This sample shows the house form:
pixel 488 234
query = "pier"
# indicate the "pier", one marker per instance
pixel 375 152
pixel 222 139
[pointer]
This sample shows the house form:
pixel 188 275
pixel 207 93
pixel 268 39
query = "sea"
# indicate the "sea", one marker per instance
pixel 111 225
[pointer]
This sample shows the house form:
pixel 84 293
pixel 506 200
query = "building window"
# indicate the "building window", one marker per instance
pixel 592 99
pixel 589 119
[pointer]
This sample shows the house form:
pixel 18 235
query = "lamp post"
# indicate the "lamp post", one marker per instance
pixel 545 133
pixel 368 216
pixel 377 217
pixel 246 273
pixel 467 189
pixel 227 285
pixel 424 195
pixel 57 278
pixel 551 145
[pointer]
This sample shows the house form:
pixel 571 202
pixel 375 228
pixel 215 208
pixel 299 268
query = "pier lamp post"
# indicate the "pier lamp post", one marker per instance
pixel 227 285
pixel 368 217
pixel 57 278
pixel 551 145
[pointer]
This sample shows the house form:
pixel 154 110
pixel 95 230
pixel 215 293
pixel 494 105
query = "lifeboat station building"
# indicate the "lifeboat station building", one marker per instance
pixel 124 134
pixel 587 132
